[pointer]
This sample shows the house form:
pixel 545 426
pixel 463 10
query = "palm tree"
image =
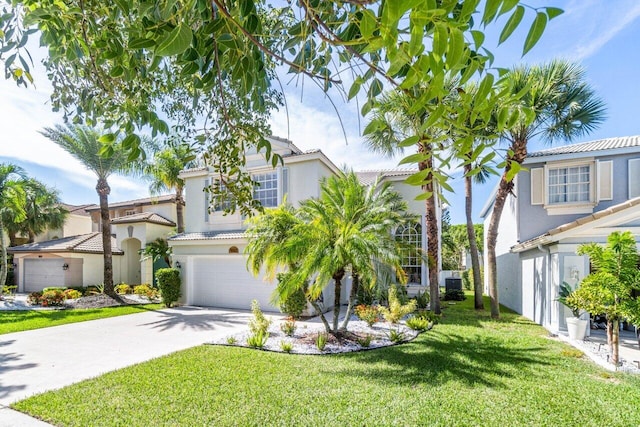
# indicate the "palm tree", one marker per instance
pixel 83 143
pixel 396 121
pixel 349 228
pixel 165 170
pixel 12 200
pixel 43 211
pixel 560 105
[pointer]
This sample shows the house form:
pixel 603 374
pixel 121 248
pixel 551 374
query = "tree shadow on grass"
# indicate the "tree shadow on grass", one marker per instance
pixel 441 358
pixel 196 318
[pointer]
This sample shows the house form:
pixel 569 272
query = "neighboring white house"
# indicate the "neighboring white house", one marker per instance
pixel 77 259
pixel 210 253
pixel 570 195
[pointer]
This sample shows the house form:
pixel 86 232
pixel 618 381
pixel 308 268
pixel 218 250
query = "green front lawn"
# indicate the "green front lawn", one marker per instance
pixel 469 370
pixel 25 320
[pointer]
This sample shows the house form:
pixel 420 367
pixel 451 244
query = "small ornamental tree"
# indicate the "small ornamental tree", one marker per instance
pixel 609 288
pixel 169 282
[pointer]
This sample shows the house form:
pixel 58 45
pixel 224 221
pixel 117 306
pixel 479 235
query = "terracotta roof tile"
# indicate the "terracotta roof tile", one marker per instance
pixel 85 243
pixel 150 217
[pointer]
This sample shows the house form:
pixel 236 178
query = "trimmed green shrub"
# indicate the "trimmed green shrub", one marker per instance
pixel 259 323
pixel 169 282
pixel 430 316
pixel 467 278
pixel 296 303
pixel 454 295
pixel 396 336
pixel 72 294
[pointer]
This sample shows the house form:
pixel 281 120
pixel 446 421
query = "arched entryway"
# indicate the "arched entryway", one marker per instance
pixel 131 266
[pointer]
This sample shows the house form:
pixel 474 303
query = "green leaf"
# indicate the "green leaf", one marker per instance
pixel 409 142
pixel 490 10
pixel 484 88
pixel 107 138
pixel 512 24
pixel 367 24
pixel 507 5
pixel 375 89
pixel 535 32
pixel 131 141
pixel 456 48
pixel 140 43
pixel 553 12
pixel 176 42
pixel 417 178
pixel 413 158
pixel 123 5
pixel 355 88
pixel 424 196
pixel 478 38
pixel 116 71
pixel 440 38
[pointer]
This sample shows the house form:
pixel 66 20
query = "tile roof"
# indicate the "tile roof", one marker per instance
pixel 367 177
pixel 166 198
pixel 586 147
pixel 209 235
pixel 78 209
pixel 150 217
pixel 86 243
pixel 547 237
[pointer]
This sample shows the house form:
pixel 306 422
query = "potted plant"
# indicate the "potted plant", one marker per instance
pixel 576 327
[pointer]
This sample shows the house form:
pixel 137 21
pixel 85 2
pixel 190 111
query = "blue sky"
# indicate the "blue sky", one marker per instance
pixel 603 36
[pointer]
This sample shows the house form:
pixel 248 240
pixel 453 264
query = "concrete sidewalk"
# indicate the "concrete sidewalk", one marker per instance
pixel 50 358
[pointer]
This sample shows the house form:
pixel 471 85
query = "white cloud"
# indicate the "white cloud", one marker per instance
pixel 605 32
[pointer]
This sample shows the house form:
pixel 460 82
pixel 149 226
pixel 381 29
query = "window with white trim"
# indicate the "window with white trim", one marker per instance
pixel 411 237
pixel 266 189
pixel 224 201
pixel 569 184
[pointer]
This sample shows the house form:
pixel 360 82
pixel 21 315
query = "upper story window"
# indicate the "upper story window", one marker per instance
pixel 570 184
pixel 129 212
pixel 572 187
pixel 266 189
pixel 224 201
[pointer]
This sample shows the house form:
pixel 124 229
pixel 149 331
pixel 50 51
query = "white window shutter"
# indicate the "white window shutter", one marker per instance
pixel 537 186
pixel 206 201
pixel 605 180
pixel 634 178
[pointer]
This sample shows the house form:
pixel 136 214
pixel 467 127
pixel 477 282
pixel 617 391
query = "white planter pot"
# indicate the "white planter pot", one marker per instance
pixel 577 328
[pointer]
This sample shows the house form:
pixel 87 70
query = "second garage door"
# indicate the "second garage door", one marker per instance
pixel 223 281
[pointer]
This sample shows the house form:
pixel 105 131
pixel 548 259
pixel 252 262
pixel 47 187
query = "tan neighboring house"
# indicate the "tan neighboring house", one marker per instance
pixel 78 222
pixel 77 260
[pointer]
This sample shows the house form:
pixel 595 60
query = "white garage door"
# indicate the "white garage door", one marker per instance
pixel 223 281
pixel 42 273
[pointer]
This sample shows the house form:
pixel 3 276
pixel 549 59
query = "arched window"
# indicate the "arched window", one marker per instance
pixel 233 250
pixel 411 235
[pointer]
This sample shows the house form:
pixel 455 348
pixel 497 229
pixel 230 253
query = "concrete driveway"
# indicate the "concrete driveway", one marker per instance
pixel 50 358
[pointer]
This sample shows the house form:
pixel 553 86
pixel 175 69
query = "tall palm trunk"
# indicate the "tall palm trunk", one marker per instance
pixel 103 190
pixel 3 255
pixel 431 223
pixel 519 152
pixel 471 234
pixel 337 278
pixel 179 209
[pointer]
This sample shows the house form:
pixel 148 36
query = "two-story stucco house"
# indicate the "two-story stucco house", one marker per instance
pixel 570 195
pixel 210 251
pixel 76 257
